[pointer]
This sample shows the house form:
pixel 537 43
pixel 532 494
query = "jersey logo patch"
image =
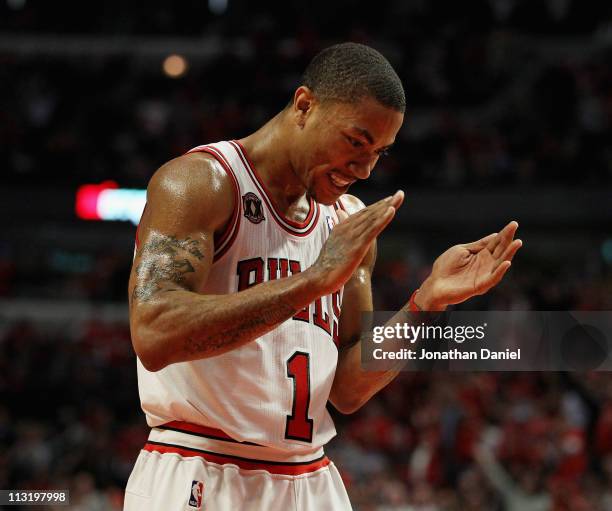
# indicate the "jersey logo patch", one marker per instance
pixel 253 210
pixel 197 492
pixel 330 222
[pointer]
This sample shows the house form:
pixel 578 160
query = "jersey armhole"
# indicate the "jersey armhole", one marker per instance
pixel 337 207
pixel 225 240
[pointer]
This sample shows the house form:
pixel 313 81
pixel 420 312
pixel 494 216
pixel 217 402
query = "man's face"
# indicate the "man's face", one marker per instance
pixel 339 143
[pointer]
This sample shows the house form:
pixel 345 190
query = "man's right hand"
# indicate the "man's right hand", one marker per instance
pixel 349 241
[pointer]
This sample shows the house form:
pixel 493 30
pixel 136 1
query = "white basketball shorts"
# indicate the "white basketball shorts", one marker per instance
pixel 184 467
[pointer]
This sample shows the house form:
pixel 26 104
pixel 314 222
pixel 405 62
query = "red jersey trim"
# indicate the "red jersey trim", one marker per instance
pixel 201 431
pixel 298 228
pixel 225 241
pixel 274 467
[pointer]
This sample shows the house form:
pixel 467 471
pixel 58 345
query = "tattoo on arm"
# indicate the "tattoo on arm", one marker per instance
pixel 249 326
pixel 163 245
pixel 163 261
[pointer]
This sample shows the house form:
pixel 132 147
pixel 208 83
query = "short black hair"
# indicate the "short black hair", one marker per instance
pixel 348 72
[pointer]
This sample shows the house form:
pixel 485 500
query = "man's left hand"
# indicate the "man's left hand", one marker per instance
pixel 468 270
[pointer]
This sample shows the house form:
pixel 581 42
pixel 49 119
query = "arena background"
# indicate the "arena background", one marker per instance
pixel 509 117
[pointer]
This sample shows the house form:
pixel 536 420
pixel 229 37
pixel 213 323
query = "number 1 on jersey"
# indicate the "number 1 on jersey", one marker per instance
pixel 299 425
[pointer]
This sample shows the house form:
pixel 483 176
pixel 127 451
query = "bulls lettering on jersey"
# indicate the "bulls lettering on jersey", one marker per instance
pixel 256 270
pixel 272 391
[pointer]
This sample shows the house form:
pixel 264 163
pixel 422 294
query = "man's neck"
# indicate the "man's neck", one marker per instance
pixel 268 150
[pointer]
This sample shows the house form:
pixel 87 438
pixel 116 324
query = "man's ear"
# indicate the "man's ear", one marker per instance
pixel 303 102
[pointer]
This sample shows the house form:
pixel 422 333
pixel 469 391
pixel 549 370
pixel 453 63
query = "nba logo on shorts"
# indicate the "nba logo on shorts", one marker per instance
pixel 197 491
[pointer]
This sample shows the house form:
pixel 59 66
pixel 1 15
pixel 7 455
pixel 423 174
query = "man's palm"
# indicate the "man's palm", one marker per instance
pixel 472 269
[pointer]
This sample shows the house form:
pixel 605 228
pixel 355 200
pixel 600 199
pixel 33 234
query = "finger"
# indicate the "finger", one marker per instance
pixel 510 251
pixel 495 276
pixel 390 200
pixel 477 246
pixel 506 236
pixel 492 243
pixel 354 220
pixel 397 199
pixel 394 200
pixel 375 227
pixel 376 222
pixel 342 215
pixel 363 218
pixel 372 207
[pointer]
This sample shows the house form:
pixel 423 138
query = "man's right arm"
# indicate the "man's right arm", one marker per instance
pixel 188 200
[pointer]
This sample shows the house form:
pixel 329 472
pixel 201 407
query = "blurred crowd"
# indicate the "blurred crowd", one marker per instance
pixel 69 411
pixel 487 441
pixel 71 121
pixel 490 100
pixel 228 18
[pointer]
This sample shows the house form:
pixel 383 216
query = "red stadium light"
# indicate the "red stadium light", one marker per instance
pixel 107 201
pixel 86 206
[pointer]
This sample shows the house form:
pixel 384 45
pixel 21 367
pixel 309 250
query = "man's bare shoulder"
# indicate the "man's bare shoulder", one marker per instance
pixel 194 185
pixel 192 175
pixel 351 203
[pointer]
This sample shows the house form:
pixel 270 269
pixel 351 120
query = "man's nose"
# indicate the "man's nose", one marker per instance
pixel 362 169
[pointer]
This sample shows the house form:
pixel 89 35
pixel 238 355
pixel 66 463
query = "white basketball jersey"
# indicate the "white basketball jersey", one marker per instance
pixel 272 391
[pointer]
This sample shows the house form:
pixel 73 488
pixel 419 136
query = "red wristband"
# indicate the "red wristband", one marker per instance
pixel 412 306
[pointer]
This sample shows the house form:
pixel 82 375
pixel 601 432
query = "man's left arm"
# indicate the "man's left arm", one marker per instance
pixel 463 271
pixel 352 386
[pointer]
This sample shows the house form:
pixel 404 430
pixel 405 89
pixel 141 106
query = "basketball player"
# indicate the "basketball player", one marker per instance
pixel 251 270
